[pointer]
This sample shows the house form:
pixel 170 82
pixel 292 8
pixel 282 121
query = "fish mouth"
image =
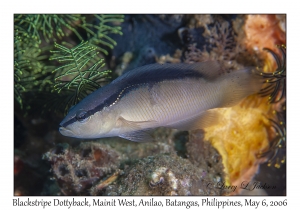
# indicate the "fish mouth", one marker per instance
pixel 66 132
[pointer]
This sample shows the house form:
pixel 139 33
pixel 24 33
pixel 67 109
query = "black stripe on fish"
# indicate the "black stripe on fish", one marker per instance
pixel 150 75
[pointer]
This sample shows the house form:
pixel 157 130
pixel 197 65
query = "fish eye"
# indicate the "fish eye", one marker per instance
pixel 81 116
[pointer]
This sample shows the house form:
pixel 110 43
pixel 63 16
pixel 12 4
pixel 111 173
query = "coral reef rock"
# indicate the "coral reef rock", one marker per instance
pixel 163 175
pixel 78 170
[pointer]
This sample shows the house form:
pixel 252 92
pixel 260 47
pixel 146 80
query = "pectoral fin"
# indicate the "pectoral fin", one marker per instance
pixel 135 129
pixel 136 125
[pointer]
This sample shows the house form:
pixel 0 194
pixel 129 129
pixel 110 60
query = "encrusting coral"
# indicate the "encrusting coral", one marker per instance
pixel 265 31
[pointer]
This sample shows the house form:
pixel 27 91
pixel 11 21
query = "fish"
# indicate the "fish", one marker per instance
pixel 179 96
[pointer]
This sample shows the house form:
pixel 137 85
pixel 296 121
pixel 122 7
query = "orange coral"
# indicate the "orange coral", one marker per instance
pixel 265 31
pixel 245 131
pixel 242 134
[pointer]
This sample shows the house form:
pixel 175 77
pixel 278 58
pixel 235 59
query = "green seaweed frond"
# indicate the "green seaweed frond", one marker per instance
pixel 81 71
pixel 24 62
pixel 49 25
pixel 18 86
pixel 20 65
pixel 30 70
pixel 98 33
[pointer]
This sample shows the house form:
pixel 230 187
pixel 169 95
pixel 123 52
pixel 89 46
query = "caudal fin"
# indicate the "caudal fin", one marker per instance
pixel 240 84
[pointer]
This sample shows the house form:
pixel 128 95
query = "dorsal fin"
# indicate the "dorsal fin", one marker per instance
pixel 210 69
pixel 158 72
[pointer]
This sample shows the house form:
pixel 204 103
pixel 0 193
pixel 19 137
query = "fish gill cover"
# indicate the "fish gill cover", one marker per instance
pixel 88 51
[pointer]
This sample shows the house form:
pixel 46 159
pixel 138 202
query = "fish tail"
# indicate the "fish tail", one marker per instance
pixel 240 84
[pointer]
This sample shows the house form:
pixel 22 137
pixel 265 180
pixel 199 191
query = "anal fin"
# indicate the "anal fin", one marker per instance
pixel 203 120
pixel 137 136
